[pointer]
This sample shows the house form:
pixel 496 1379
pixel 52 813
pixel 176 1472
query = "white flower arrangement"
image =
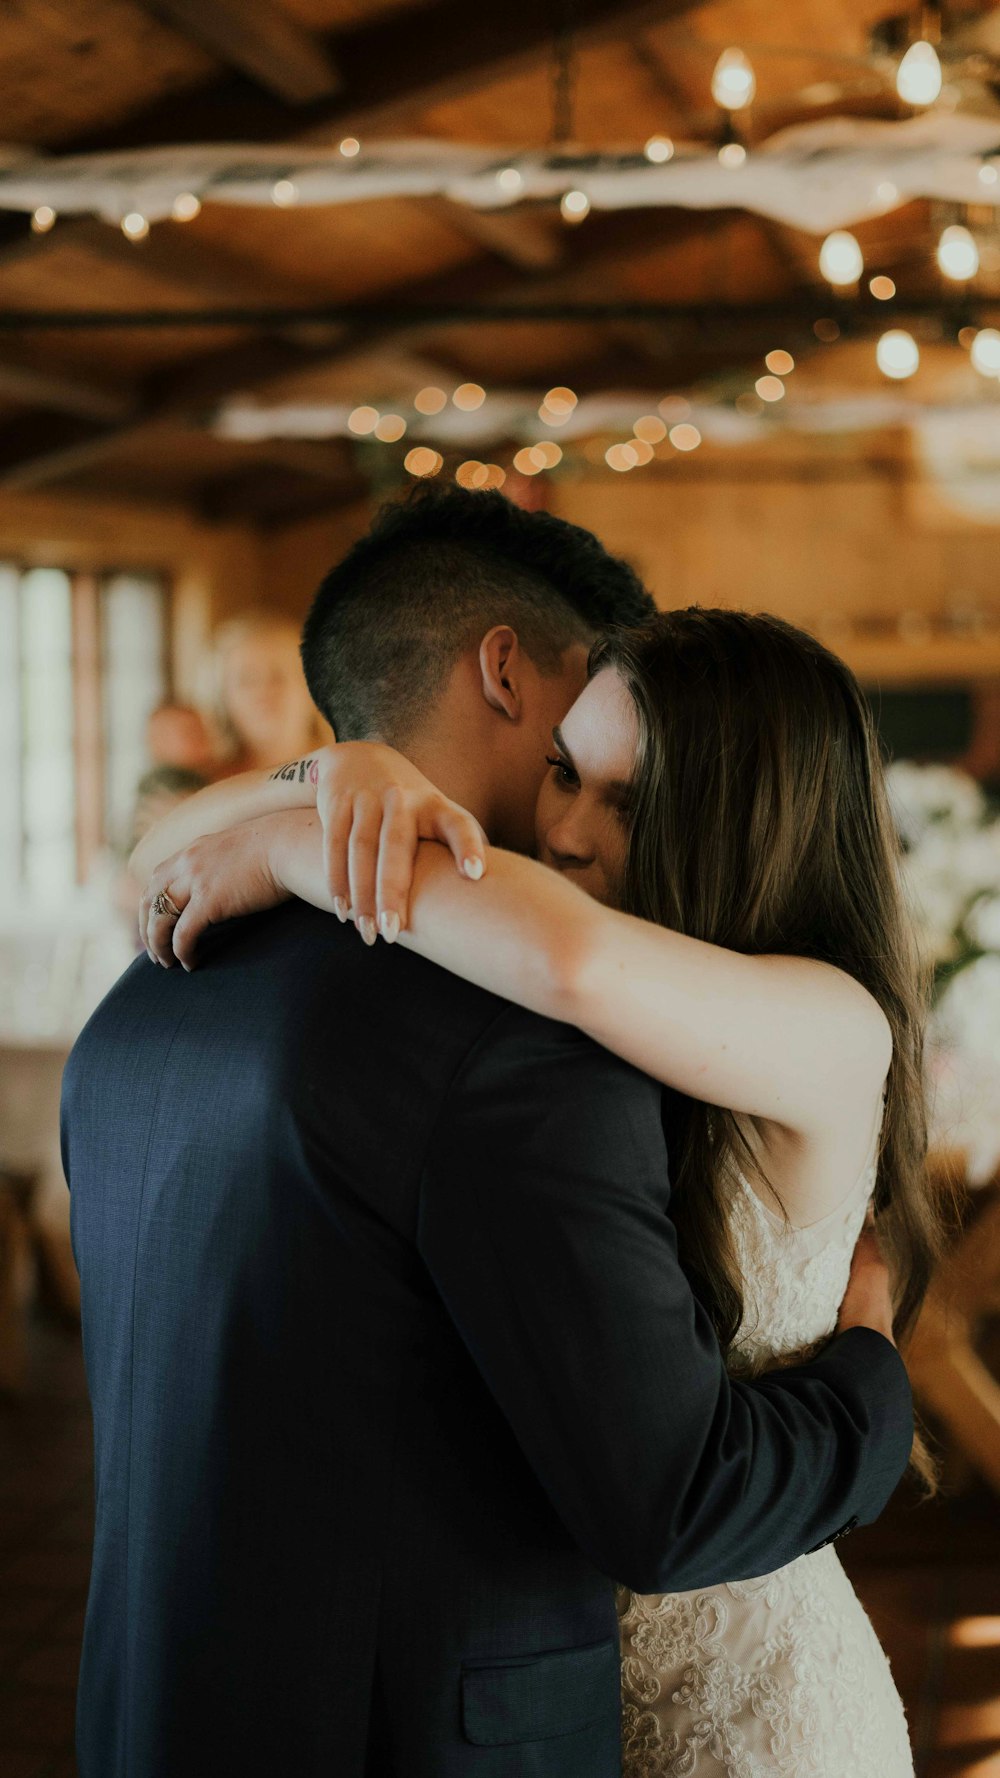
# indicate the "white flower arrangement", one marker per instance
pixel 951 876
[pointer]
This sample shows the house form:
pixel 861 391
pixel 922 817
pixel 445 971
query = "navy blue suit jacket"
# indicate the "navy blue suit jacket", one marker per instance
pixel 392 1366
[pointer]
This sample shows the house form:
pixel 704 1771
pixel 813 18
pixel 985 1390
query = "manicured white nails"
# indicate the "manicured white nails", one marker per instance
pixel 389 927
pixel 473 867
pixel 368 929
pixel 341 909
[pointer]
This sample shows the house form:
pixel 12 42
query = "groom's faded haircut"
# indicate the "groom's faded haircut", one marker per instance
pixel 434 573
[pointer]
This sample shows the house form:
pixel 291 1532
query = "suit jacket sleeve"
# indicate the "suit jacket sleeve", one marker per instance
pixel 543 1223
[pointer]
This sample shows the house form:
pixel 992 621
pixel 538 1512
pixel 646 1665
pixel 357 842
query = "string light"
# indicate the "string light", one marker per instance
pixel 546 454
pixel 650 429
pixel 621 457
pixel 186 206
pixel 883 289
pixel 575 206
pixel 826 329
pixel 988 174
pixel 469 396
pixel 918 77
pixel 390 428
pixel 957 254
pixel 495 476
pixel 732 155
pixel 643 451
pixel 674 407
pixel 897 354
pixel 135 226
pixel 430 400
pixel 43 219
pixel 422 461
pixel 350 147
pixel 887 193
pixel 560 401
pixel 840 258
pixel 284 192
pixel 524 462
pixel 781 363
pixel 472 474
pixel 966 335
pixel 985 352
pixel 548 418
pixel 658 150
pixel 770 388
pixel 363 420
pixel 685 438
pixel 734 82
pixel 510 179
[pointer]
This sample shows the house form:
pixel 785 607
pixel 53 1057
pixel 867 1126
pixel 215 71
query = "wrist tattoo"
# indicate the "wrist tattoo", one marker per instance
pixel 297 771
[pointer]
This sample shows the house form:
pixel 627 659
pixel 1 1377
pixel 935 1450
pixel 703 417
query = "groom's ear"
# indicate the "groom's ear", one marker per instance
pixel 500 665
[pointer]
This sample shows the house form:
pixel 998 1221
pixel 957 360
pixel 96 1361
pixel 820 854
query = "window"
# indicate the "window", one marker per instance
pixel 84 662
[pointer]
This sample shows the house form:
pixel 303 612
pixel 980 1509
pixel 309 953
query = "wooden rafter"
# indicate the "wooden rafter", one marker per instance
pixel 391 66
pixel 262 40
pixel 47 452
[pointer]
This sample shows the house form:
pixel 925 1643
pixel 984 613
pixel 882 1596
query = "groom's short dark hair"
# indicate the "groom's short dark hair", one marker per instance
pixel 431 576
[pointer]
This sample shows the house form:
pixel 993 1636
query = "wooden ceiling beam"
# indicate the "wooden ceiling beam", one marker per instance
pixel 190 391
pixel 63 393
pixel 390 66
pixel 261 40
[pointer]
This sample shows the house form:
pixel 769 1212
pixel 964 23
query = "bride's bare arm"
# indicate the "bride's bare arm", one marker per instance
pixel 782 1039
pixel 223 805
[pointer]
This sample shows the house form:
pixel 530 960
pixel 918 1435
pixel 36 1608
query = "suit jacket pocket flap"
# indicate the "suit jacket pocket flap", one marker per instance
pixel 535 1697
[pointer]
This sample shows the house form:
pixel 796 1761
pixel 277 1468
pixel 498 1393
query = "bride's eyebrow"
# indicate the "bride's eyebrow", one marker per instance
pixel 557 736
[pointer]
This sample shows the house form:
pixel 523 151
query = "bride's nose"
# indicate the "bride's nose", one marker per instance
pixel 569 844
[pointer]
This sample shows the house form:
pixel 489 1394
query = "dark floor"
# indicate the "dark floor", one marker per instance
pixel 930 1576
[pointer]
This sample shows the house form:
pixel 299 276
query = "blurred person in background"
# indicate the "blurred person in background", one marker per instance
pixel 264 709
pixel 179 737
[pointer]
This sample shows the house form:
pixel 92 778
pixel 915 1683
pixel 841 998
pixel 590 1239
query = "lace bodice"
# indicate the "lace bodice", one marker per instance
pixel 794 1278
pixel 781 1676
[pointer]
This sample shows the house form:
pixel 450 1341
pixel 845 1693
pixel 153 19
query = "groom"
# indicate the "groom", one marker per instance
pixel 391 1360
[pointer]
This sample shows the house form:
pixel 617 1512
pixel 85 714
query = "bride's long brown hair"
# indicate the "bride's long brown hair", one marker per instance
pixel 759 820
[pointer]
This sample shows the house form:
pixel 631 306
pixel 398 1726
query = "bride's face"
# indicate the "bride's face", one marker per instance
pixel 580 819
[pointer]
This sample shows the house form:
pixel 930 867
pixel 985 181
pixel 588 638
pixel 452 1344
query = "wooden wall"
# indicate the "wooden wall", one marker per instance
pixel 847 557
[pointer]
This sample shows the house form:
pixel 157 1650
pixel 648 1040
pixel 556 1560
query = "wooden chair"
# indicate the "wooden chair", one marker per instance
pixel 17 1278
pixel 949 1376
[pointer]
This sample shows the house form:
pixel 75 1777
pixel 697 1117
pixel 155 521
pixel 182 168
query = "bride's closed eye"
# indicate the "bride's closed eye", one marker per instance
pixel 565 774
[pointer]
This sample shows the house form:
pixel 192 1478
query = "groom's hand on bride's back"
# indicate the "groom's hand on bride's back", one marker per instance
pixel 868 1297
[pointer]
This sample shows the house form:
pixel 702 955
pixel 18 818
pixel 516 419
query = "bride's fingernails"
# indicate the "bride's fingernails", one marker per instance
pixel 473 867
pixel 389 927
pixel 367 929
pixel 341 909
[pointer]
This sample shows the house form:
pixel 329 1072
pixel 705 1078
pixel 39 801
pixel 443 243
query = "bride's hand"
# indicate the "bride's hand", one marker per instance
pixel 376 808
pixel 216 878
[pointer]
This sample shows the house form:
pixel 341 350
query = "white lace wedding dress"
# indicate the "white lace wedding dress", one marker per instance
pixel 783 1676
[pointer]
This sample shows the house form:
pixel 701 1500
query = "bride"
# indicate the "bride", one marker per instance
pixel 716 900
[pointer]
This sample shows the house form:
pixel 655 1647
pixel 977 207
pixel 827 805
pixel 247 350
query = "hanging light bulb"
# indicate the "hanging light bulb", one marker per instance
pixel 985 352
pixel 43 219
pixel 186 206
pixel 918 77
pixel 840 258
pixel 897 354
pixel 135 226
pixel 575 206
pixel 957 253
pixel 734 82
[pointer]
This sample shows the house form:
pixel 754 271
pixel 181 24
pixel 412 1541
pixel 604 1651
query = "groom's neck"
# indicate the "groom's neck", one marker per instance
pixel 460 776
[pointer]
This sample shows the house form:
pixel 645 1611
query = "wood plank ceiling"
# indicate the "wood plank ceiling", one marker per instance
pixel 127 412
